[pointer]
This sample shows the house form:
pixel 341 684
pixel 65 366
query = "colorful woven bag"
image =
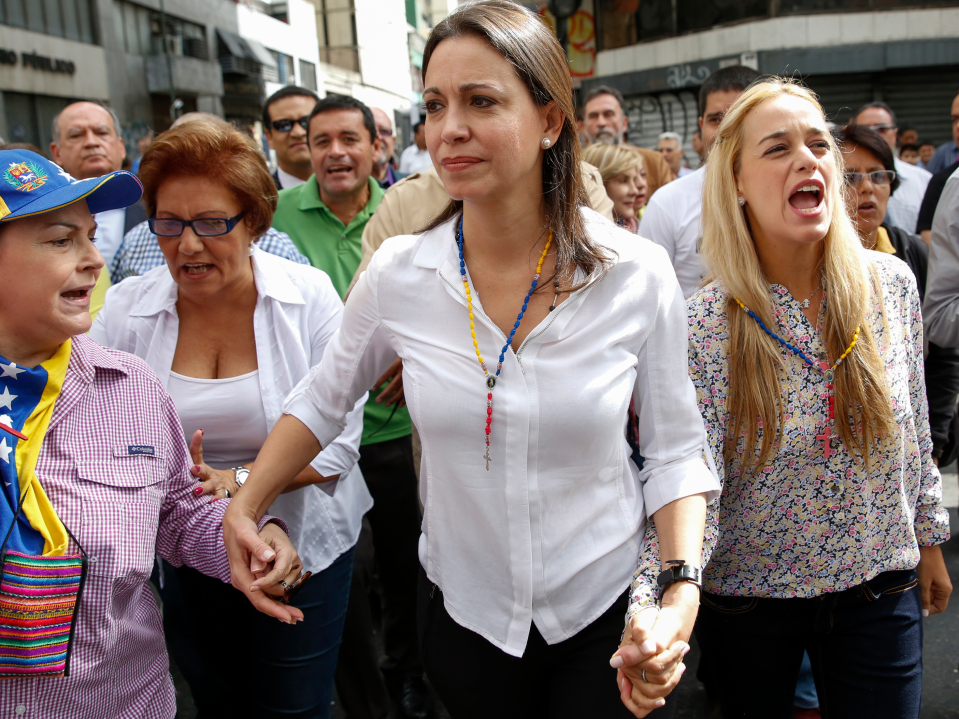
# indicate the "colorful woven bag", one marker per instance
pixel 39 602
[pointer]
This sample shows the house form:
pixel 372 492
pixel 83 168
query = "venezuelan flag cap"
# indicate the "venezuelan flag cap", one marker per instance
pixel 31 185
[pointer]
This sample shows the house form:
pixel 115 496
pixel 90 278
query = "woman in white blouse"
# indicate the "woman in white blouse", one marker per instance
pixel 229 331
pixel 530 540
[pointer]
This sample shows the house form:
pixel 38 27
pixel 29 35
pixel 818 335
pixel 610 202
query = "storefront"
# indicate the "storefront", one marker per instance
pixel 39 76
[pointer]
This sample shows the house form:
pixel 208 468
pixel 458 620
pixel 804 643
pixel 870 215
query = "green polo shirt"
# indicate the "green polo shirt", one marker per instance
pixel 335 248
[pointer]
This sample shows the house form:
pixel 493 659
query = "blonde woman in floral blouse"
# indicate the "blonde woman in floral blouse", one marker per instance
pixel 806 353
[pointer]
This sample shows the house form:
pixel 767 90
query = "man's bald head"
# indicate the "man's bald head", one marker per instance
pixel 197 117
pixel 86 140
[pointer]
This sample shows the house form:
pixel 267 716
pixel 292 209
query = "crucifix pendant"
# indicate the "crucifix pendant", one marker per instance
pixel 826 439
pixel 487 458
pixel 804 304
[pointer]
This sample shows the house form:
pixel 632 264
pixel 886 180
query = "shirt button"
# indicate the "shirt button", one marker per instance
pixel 21 709
pixel 93 559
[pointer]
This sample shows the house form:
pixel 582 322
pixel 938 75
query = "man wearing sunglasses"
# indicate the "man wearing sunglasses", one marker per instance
pixel 285 115
pixel 903 208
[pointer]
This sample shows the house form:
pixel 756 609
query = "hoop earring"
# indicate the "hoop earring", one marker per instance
pixel 742 201
pixel 545 143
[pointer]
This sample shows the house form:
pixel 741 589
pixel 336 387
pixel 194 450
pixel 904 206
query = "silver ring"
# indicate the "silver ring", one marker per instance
pixel 644 677
pixel 227 493
pixel 283 584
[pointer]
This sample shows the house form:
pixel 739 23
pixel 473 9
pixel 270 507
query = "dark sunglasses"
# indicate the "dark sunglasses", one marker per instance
pixel 205 227
pixel 880 177
pixel 285 124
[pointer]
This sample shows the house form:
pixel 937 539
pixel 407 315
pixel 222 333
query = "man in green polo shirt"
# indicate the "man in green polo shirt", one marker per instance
pixel 325 219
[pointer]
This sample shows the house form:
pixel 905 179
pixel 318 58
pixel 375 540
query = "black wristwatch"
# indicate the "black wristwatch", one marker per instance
pixel 678 571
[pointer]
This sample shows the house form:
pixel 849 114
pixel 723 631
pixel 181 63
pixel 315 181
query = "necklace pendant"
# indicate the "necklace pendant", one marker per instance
pixel 804 304
pixel 487 458
pixel 490 381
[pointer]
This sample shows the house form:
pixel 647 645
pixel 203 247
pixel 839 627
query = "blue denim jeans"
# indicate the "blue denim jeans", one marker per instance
pixel 865 644
pixel 242 663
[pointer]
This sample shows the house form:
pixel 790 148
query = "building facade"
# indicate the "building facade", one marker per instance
pixel 658 52
pixel 139 57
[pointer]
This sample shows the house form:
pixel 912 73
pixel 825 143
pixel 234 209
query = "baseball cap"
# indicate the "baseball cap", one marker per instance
pixel 31 185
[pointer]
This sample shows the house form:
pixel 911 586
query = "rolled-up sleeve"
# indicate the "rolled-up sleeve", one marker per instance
pixel 671 432
pixel 941 306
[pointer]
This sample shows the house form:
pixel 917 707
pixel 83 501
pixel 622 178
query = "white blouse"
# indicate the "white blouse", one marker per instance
pixel 297 312
pixel 552 533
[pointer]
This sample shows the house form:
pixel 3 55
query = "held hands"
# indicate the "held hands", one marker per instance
pixel 934 583
pixel 259 561
pixel 656 641
pixel 219 483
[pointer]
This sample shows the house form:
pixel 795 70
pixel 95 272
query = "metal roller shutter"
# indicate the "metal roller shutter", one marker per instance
pixel 924 98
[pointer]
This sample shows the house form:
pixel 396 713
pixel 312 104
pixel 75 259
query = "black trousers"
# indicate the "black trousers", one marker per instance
pixel 394 528
pixel 569 680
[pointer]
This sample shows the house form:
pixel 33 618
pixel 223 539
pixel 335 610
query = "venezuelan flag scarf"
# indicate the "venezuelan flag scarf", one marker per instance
pixel 40 585
pixel 27 398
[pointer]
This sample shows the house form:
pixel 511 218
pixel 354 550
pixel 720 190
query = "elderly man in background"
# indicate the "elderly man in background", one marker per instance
pixel 604 120
pixel 383 171
pixel 87 143
pixel 670 145
pixel 903 208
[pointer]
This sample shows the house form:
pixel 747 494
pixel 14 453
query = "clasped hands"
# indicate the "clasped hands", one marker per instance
pixel 649 661
pixel 272 560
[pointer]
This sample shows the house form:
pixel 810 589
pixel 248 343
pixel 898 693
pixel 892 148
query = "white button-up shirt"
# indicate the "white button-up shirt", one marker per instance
pixel 297 312
pixel 903 208
pixel 553 532
pixel 674 220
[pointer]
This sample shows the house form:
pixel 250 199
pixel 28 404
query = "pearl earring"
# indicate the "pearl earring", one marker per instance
pixel 742 201
pixel 545 143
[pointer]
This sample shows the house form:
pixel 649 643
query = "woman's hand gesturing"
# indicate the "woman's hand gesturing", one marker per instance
pixel 219 483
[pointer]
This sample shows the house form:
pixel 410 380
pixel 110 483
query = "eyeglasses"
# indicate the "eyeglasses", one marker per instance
pixel 206 227
pixel 285 124
pixel 384 132
pixel 882 128
pixel 880 177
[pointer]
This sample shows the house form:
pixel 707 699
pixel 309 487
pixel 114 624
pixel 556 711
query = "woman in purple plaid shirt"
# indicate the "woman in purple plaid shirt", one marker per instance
pixel 112 470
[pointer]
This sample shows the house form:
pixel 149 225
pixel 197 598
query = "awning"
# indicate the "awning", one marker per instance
pixel 246 48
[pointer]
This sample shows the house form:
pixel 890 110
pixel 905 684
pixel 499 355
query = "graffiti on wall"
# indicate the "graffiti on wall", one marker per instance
pixel 679 76
pixel 581 34
pixel 650 115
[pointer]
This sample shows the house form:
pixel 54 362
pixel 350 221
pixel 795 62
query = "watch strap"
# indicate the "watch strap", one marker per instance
pixel 678 571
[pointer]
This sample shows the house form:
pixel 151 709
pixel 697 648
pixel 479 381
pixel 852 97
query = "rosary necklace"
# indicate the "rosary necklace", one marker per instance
pixel 827 372
pixel 491 378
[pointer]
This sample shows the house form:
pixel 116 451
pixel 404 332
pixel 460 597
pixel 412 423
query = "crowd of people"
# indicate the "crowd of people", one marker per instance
pixel 442 419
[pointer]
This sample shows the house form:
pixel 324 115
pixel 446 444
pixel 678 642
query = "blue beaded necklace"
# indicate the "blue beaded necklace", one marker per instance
pixel 491 378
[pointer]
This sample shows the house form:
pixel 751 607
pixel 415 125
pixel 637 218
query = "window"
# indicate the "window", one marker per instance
pixel 71 19
pixel 285 68
pixel 142 33
pixel 29 117
pixel 308 75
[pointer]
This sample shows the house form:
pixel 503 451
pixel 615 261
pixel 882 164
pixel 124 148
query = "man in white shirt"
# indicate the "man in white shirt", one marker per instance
pixel 416 157
pixel 903 208
pixel 87 143
pixel 673 217
pixel 670 146
pixel 285 116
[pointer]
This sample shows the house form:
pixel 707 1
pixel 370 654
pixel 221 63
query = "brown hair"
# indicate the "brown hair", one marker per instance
pixel 527 43
pixel 220 152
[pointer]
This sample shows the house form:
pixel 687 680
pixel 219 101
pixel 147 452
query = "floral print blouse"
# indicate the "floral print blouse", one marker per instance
pixel 807 525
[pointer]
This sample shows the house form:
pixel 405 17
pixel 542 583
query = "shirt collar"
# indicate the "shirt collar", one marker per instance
pixel 87 356
pixel 310 197
pixel 268 276
pixel 436 245
pixel 287 180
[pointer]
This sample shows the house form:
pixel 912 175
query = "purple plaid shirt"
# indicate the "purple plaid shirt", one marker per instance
pixel 115 465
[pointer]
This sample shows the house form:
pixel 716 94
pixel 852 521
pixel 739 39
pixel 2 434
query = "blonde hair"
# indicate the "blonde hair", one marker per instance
pixel 755 359
pixel 612 160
